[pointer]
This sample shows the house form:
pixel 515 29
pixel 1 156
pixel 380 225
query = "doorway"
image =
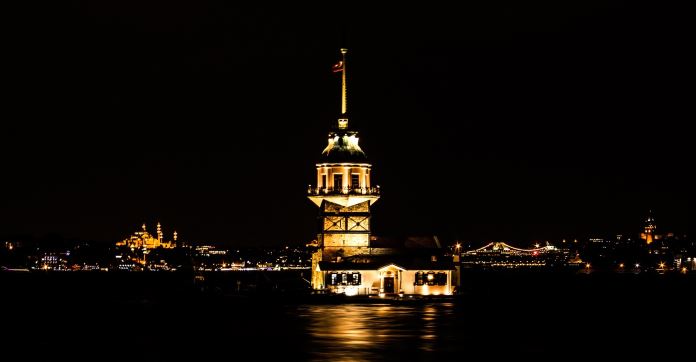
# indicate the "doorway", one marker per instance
pixel 338 182
pixel 389 284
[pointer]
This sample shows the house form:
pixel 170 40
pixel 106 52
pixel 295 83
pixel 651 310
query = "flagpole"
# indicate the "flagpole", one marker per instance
pixel 344 97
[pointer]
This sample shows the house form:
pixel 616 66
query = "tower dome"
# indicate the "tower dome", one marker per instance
pixel 343 147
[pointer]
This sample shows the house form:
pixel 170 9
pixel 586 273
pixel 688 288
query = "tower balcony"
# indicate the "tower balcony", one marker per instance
pixel 318 191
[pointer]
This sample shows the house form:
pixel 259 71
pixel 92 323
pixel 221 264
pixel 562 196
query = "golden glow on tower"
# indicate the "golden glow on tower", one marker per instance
pixel 343 192
pixel 341 67
pixel 345 254
pixel 344 184
pixel 649 229
pixel 344 91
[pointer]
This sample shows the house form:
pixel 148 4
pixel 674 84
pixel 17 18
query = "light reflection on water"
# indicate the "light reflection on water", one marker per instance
pixel 356 332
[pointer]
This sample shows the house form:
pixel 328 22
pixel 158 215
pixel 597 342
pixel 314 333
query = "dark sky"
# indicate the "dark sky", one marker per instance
pixel 493 120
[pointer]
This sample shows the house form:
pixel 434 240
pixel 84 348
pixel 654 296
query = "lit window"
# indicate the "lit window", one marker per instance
pixel 431 278
pixel 441 279
pixel 356 279
pixel 419 278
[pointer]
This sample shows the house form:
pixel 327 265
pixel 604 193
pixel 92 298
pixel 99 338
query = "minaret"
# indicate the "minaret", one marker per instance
pixel 343 192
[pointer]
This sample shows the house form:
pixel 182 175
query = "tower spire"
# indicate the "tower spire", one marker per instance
pixel 341 67
pixel 344 97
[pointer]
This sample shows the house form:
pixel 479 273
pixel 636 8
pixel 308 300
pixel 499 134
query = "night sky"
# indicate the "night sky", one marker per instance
pixel 498 120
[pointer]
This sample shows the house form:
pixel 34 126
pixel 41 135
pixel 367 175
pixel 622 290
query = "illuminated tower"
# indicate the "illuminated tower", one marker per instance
pixel 343 191
pixel 648 233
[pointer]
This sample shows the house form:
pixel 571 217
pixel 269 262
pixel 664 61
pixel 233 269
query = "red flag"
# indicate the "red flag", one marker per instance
pixel 338 67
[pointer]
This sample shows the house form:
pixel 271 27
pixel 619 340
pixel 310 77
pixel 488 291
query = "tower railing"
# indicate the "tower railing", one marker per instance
pixel 311 190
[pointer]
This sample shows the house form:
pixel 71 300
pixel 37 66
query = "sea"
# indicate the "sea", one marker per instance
pixel 265 315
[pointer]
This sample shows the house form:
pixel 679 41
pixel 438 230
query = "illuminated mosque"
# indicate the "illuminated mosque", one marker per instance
pixel 144 240
pixel 348 258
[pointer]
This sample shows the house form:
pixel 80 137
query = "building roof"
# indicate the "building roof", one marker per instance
pixel 403 263
pixel 410 242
